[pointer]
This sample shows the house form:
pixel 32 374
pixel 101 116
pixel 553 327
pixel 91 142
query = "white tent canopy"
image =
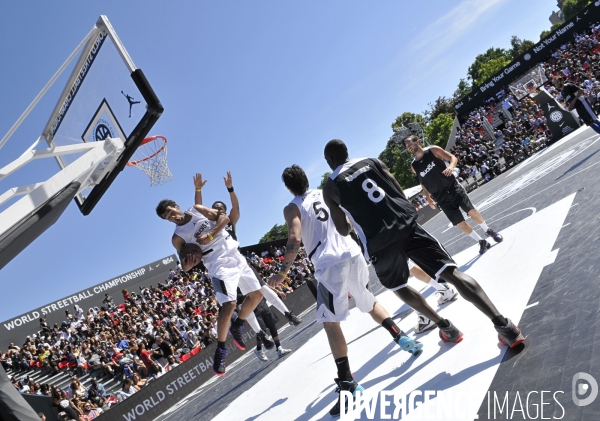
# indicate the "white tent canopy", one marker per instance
pixel 413 191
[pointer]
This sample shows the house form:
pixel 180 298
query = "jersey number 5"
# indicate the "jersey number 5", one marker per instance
pixel 318 211
pixel 375 193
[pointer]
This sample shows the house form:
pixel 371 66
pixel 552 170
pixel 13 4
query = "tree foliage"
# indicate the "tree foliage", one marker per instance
pixel 405 118
pixel 324 180
pixel 571 7
pixel 490 68
pixel 276 233
pixel 442 105
pixel 463 89
pixel 398 164
pixel 519 46
pixel 474 72
pixel 439 130
pixel 554 26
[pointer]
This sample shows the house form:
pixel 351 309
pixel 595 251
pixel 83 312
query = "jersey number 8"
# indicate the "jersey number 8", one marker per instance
pixel 375 193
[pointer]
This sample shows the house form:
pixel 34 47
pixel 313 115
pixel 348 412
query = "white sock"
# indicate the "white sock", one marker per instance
pixel 475 236
pixel 484 226
pixel 273 299
pixel 435 284
pixel 251 319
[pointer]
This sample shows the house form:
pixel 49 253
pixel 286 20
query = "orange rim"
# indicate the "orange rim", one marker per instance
pixel 148 140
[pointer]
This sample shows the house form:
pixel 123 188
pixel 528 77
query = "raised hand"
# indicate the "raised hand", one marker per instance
pixel 228 180
pixel 198 182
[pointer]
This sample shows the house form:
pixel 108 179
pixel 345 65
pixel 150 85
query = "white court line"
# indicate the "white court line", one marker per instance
pixel 532 305
pixel 566 224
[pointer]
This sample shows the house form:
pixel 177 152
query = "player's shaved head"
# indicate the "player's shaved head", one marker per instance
pixel 336 153
pixel 295 180
pixel 219 204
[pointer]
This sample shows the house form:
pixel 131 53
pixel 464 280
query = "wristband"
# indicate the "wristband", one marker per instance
pixel 198 190
pixel 210 236
pixel 230 189
pixel 282 273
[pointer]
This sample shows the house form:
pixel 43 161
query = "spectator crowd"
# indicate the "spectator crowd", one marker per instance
pixel 133 342
pixel 520 125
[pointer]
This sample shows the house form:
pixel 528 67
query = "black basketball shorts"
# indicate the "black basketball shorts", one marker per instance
pixel 424 249
pixel 586 113
pixel 453 201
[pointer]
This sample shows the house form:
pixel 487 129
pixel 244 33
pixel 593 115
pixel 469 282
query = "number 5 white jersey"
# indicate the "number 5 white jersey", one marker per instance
pixel 324 246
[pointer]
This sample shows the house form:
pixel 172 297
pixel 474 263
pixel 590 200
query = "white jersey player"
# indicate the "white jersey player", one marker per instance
pixel 340 269
pixel 226 267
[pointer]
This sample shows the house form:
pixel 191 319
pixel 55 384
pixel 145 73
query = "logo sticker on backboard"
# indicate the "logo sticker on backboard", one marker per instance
pixel 103 125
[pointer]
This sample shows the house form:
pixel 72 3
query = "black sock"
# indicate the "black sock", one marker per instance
pixel 391 327
pixel 499 321
pixel 443 323
pixel 343 369
pixel 221 345
pixel 239 321
pixel 258 345
pixel 277 343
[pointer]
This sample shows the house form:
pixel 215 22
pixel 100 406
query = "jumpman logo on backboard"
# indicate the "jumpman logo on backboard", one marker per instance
pixel 131 102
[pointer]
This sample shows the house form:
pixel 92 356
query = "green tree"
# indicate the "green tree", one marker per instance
pixel 463 89
pixel 519 46
pixel 399 164
pixel 490 68
pixel 276 233
pixel 474 72
pixel 571 7
pixel 439 130
pixel 407 117
pixel 442 105
pixel 547 32
pixel 324 180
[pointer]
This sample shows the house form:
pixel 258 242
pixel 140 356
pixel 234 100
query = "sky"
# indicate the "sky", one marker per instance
pixel 247 87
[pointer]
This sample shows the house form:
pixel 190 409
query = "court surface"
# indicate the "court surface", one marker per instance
pixel 544 276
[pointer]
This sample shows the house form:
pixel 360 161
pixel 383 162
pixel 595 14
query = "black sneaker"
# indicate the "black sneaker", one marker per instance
pixel 236 330
pixel 495 235
pixel 350 386
pixel 483 246
pixel 451 333
pixel 266 340
pixel 219 362
pixel 292 318
pixel 510 335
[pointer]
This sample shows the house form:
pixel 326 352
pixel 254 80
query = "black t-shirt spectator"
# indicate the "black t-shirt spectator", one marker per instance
pixel 165 348
pixel 568 93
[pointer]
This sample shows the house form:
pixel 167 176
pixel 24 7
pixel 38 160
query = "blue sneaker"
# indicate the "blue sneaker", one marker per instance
pixel 408 344
pixel 350 386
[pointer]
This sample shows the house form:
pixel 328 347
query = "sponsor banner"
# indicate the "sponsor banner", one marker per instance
pixel 16 329
pixel 560 122
pixel 536 54
pixel 163 393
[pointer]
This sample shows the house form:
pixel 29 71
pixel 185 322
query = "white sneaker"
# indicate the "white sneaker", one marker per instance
pixel 447 295
pixel 260 354
pixel 423 324
pixel 281 352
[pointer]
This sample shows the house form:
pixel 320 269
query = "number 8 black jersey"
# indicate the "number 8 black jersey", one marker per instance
pixel 380 213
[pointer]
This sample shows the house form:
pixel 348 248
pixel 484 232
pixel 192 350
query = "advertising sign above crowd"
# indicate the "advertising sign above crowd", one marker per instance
pixel 536 54
pixel 18 328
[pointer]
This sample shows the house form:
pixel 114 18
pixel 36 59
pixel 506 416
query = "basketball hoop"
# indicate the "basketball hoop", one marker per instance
pixel 151 157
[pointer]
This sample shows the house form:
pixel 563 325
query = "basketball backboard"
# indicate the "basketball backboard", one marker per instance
pixel 529 82
pixel 105 96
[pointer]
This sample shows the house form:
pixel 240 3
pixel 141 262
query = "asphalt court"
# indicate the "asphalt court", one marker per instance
pixel 543 276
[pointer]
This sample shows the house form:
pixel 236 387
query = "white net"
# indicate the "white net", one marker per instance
pixel 151 157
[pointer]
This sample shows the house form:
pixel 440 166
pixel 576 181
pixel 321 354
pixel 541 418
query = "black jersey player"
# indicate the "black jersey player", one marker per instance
pixel 574 99
pixel 364 191
pixel 439 183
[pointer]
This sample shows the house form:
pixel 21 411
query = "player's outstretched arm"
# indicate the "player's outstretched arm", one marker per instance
pixel 332 200
pixel 189 260
pixel 234 215
pixel 212 214
pixel 445 156
pixel 292 218
pixel 198 185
